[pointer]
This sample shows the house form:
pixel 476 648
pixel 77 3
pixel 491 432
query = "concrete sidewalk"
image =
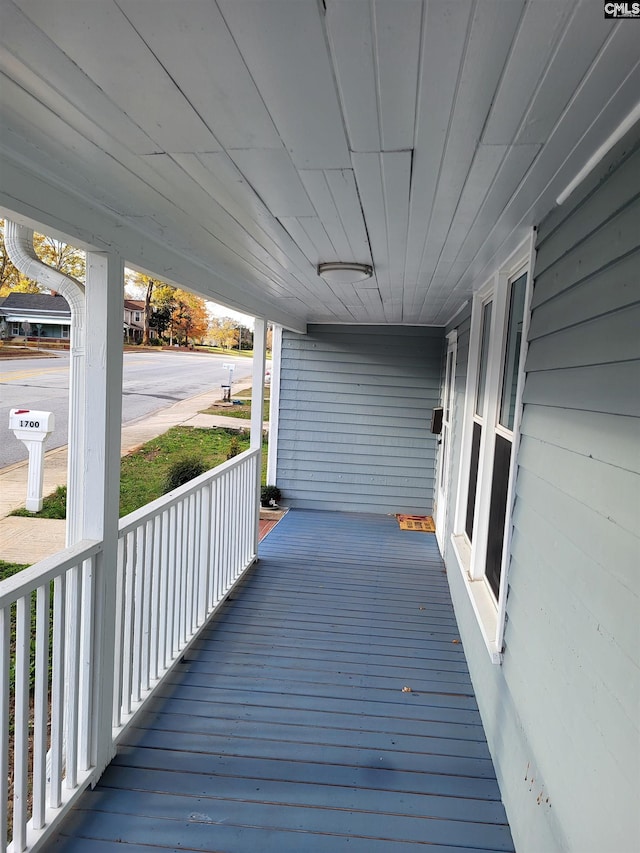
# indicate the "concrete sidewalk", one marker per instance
pixel 27 540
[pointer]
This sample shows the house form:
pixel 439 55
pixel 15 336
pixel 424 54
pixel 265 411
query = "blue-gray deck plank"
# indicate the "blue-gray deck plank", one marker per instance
pixel 287 728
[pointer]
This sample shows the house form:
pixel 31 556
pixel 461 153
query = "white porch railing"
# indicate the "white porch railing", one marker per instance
pixel 178 558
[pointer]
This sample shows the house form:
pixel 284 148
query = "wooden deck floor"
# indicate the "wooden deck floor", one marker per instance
pixel 288 730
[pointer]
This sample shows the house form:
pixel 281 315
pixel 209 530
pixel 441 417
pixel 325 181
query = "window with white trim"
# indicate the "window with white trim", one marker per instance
pixel 492 407
pixel 503 438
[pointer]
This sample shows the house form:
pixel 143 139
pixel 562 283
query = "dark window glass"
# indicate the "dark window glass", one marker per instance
pixel 473 478
pixel 512 353
pixel 497 511
pixel 484 352
pixel 447 386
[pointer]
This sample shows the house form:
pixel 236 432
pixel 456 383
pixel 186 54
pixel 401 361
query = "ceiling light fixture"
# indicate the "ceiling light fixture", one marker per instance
pixel 338 272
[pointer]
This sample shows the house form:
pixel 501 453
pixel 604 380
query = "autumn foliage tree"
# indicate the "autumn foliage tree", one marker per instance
pixel 189 318
pixel 223 332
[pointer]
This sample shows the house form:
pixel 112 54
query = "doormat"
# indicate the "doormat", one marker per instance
pixel 423 523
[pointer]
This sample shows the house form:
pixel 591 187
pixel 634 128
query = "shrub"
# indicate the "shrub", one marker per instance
pixel 183 470
pixel 234 447
pixel 270 495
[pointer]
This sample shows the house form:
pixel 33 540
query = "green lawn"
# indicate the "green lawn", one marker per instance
pixel 242 410
pixel 238 411
pixel 143 474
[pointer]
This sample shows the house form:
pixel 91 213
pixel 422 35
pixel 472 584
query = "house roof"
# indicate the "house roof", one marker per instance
pixel 134 304
pixel 262 137
pixel 27 304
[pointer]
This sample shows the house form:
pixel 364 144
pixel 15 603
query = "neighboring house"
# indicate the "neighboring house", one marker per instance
pixel 133 320
pixel 478 166
pixel 48 316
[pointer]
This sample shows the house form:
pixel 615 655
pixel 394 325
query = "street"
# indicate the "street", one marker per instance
pixel 151 381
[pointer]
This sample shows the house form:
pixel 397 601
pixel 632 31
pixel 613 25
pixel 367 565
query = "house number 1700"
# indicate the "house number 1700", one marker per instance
pixel 31 424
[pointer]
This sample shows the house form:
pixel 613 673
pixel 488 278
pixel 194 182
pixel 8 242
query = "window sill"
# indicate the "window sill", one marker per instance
pixel 483 603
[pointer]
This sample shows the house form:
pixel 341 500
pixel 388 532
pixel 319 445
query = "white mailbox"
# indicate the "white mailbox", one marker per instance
pixel 32 428
pixel 31 421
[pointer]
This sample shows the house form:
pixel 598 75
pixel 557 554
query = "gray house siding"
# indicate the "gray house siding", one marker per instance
pixel 354 418
pixel 561 713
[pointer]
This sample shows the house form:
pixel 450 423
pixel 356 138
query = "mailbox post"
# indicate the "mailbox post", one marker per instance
pixel 226 389
pixel 33 428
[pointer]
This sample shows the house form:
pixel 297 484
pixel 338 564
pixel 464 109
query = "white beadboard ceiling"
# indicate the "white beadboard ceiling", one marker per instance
pixel 231 146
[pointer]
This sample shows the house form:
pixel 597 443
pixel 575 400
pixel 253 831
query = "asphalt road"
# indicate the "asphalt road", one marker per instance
pixel 151 381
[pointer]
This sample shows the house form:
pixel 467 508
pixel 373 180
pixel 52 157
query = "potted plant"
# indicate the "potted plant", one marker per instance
pixel 269 496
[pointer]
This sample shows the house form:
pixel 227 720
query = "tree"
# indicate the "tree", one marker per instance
pixel 224 333
pixel 189 317
pixel 163 303
pixel 146 325
pixel 11 279
pixel 146 283
pixel 245 338
pixel 61 256
pixel 23 285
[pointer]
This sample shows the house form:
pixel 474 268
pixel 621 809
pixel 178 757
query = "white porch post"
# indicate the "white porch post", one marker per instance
pixel 77 423
pixel 257 393
pixel 101 483
pixel 274 406
pixel 257 408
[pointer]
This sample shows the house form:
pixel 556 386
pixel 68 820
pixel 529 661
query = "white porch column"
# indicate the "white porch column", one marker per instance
pixel 257 392
pixel 274 406
pixel 257 410
pixel 101 482
pixel 77 424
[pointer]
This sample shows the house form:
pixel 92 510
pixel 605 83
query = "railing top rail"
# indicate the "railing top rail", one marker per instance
pixel 138 516
pixel 29 579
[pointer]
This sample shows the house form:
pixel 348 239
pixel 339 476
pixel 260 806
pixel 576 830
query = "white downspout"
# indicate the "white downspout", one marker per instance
pixel 18 241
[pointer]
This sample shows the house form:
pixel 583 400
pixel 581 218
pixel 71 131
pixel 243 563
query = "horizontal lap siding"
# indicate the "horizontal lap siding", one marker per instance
pixel 561 713
pixel 572 637
pixel 355 410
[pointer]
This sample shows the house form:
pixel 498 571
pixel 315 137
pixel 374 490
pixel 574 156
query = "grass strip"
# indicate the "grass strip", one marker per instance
pixel 143 473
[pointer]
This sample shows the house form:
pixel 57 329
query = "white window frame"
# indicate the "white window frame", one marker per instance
pixel 442 487
pixel 490 613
